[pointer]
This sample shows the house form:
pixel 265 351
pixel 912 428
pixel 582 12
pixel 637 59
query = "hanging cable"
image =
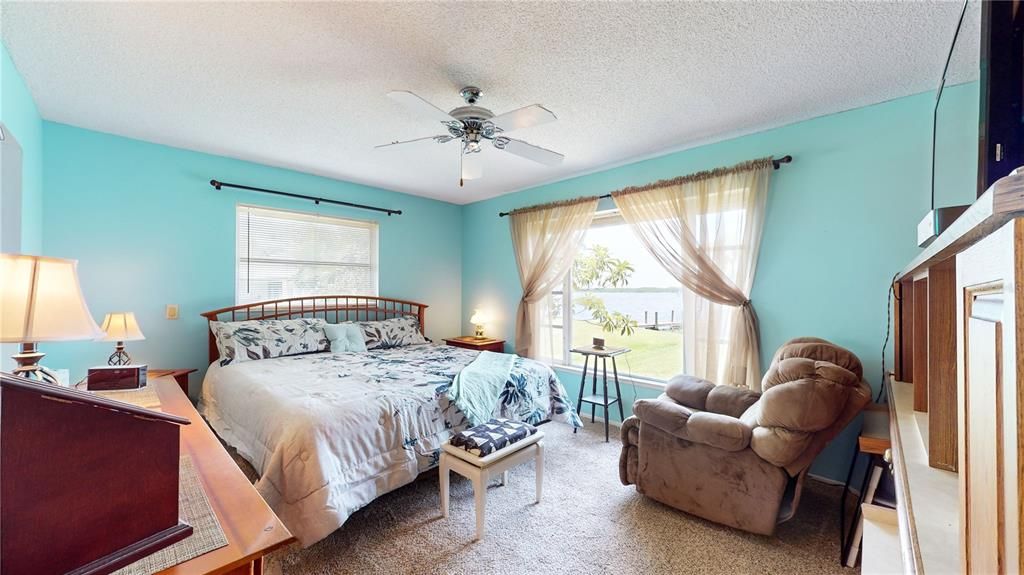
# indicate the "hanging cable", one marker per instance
pixel 889 296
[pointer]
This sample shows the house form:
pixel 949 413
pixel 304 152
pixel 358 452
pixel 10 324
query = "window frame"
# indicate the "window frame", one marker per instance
pixel 374 260
pixel 603 218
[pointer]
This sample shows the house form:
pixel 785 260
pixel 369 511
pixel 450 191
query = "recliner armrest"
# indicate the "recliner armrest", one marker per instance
pixel 713 429
pixel 665 415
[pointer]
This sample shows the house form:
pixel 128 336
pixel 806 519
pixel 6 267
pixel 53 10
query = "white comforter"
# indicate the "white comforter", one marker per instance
pixel 330 432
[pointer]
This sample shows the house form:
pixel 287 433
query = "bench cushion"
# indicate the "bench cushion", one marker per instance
pixel 486 438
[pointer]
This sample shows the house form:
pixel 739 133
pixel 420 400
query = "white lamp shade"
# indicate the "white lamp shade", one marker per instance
pixel 478 318
pixel 121 326
pixel 41 300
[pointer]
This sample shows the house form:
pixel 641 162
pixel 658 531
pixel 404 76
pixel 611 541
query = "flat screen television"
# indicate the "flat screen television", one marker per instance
pixel 978 127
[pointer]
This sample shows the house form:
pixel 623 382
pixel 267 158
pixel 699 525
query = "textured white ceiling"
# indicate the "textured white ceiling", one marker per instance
pixel 303 86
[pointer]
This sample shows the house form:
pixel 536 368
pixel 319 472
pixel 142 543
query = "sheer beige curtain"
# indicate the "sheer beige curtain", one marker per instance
pixel 705 229
pixel 545 239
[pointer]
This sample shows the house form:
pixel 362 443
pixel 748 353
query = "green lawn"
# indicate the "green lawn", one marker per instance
pixel 656 354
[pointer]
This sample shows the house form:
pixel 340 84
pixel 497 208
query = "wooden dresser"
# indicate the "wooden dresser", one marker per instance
pixel 251 527
pixel 956 399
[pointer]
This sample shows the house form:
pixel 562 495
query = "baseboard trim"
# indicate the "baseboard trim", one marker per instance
pixel 826 480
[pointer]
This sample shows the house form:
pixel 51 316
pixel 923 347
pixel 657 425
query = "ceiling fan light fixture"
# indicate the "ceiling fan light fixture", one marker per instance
pixel 471 125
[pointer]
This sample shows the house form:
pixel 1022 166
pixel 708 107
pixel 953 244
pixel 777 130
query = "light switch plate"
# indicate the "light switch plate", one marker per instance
pixel 172 311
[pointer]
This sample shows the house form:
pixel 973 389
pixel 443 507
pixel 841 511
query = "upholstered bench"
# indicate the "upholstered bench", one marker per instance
pixel 480 469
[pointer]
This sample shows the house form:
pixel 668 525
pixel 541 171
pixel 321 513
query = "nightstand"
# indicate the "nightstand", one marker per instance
pixel 179 375
pixel 477 343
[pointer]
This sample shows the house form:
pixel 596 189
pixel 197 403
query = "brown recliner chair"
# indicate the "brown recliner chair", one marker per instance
pixel 735 456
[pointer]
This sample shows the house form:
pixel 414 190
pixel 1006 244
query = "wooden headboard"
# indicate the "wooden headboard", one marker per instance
pixel 332 308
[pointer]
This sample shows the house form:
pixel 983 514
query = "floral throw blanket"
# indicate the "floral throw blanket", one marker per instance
pixel 330 432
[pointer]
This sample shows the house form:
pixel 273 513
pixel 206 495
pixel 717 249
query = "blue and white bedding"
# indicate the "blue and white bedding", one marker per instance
pixel 330 432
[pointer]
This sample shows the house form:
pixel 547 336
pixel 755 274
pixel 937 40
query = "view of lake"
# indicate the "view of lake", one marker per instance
pixel 634 302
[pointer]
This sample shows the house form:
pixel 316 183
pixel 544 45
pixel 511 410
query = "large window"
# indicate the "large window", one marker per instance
pixel 619 292
pixel 284 254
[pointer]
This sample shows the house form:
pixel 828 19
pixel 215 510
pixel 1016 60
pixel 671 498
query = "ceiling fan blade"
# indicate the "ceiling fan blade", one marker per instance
pixel 419 106
pixel 524 118
pixel 472 166
pixel 529 151
pixel 440 139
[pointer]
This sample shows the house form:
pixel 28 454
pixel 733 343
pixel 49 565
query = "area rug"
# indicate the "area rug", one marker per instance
pixel 587 523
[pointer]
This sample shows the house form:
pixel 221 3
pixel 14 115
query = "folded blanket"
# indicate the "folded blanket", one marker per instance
pixel 483 440
pixel 477 388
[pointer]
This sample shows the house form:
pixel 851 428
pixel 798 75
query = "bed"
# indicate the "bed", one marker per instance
pixel 329 432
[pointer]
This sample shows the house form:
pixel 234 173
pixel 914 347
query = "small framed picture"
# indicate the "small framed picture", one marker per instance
pixel 598 343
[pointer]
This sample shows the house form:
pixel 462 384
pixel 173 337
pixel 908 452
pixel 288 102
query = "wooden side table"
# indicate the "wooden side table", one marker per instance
pixel 477 343
pixel 251 527
pixel 594 399
pixel 179 375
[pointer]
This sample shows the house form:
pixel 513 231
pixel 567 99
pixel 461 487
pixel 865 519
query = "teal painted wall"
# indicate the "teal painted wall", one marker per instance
pixel 840 222
pixel 148 230
pixel 956 145
pixel 19 113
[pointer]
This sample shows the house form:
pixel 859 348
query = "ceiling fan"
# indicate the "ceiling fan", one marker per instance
pixel 471 125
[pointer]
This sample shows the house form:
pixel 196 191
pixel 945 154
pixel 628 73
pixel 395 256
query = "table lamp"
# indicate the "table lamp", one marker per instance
pixel 479 318
pixel 41 300
pixel 120 327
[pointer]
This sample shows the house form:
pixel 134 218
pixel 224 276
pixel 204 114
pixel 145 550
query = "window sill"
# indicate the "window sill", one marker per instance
pixel 623 379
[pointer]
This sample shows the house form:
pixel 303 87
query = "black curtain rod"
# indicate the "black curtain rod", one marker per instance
pixel 776 163
pixel 218 185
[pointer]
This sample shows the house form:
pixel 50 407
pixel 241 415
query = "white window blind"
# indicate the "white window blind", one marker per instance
pixel 284 254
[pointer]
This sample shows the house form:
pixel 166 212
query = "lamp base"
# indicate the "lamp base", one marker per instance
pixel 120 356
pixel 480 332
pixel 28 365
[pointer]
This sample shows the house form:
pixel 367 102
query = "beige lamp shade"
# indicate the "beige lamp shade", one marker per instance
pixel 41 300
pixel 121 326
pixel 478 317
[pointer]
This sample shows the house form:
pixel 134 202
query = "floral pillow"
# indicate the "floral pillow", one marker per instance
pixel 240 341
pixel 389 333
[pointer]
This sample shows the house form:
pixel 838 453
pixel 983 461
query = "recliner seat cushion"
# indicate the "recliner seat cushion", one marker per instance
pixel 716 430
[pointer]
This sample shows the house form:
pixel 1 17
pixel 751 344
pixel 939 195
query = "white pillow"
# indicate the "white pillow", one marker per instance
pixel 345 337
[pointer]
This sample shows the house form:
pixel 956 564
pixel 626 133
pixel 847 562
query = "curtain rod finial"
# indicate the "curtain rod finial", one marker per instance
pixel 215 184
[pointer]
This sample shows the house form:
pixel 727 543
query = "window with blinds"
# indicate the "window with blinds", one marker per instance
pixel 283 254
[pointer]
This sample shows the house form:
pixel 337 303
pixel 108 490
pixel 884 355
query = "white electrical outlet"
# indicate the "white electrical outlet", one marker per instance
pixel 172 311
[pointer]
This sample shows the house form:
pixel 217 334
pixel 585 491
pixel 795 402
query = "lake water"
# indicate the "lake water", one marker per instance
pixel 635 303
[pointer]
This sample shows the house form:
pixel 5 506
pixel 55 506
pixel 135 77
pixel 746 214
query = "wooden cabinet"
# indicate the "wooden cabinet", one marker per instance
pixel 957 398
pixel 251 527
pixel 179 375
pixel 989 433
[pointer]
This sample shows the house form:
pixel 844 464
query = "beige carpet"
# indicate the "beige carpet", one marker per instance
pixel 587 523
